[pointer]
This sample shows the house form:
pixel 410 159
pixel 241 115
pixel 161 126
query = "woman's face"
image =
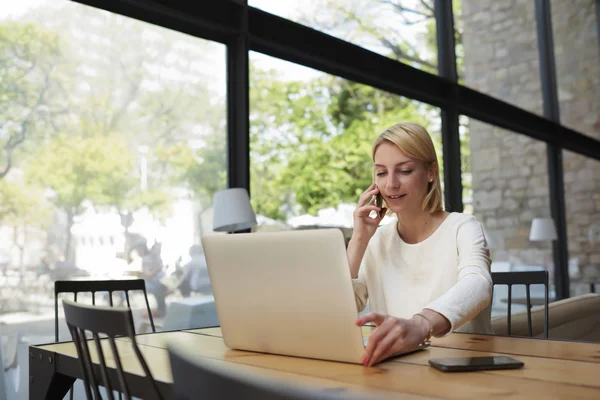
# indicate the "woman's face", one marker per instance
pixel 402 181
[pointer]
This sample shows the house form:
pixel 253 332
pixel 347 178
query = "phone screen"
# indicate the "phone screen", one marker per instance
pixel 475 363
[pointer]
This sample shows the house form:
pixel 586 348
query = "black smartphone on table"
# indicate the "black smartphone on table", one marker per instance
pixel 461 364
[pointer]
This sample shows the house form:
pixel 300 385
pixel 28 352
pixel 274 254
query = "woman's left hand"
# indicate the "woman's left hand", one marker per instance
pixel 392 335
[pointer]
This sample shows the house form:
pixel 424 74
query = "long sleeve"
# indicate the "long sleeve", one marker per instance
pixel 472 293
pixel 360 292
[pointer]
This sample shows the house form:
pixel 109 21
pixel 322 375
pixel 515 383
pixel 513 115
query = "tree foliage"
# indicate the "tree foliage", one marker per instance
pixel 30 86
pixel 311 141
pixel 96 168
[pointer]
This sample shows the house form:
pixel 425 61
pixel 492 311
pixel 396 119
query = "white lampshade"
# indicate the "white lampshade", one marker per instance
pixel 542 229
pixel 233 211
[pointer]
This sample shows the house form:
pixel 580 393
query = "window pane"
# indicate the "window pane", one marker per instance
pixel 507 176
pixel 311 137
pixel 575 31
pixel 582 185
pixel 497 50
pixel 403 29
pixel 117 135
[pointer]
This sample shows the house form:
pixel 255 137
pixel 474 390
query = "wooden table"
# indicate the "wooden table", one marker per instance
pixel 553 369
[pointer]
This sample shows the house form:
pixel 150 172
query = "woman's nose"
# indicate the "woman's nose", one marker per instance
pixel 393 181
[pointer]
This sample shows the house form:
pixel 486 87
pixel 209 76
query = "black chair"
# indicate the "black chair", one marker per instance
pixel 194 378
pixel 109 286
pixel 527 278
pixel 112 322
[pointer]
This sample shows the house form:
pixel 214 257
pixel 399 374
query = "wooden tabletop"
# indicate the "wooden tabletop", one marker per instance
pixel 553 369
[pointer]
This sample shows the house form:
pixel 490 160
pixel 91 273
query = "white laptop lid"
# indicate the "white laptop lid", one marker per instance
pixel 285 293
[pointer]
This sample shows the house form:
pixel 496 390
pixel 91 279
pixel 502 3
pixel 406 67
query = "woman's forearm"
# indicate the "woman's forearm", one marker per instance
pixel 356 250
pixel 439 324
pixel 465 300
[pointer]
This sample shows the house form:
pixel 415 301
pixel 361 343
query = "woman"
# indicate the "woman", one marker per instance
pixel 427 274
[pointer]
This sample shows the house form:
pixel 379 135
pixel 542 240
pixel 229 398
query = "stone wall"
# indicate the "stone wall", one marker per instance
pixel 509 171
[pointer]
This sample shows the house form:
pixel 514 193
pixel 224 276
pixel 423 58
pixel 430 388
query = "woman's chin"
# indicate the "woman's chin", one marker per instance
pixel 401 208
pixel 397 208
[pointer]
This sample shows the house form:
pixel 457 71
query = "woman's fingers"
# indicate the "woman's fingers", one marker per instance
pixel 374 338
pixel 367 194
pixel 366 210
pixel 384 325
pixel 373 317
pixel 382 349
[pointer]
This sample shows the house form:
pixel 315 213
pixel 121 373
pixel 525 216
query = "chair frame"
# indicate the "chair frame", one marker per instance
pixel 526 278
pixel 112 322
pixel 109 286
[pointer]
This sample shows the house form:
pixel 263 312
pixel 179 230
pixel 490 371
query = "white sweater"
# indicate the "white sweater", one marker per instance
pixel 449 272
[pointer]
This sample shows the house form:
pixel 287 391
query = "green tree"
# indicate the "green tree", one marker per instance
pixel 30 86
pixel 96 169
pixel 338 168
pixel 361 22
pixel 311 141
pixel 151 88
pixel 122 188
pixel 202 170
pixel 22 207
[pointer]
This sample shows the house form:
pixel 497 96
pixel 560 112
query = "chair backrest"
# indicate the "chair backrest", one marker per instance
pixel 527 278
pixel 112 322
pixel 109 286
pixel 194 378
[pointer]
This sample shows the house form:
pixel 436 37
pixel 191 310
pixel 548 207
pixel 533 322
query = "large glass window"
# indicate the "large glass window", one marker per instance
pixel 401 29
pixel 582 186
pixel 112 143
pixel 497 51
pixel 506 188
pixel 311 137
pixel 575 35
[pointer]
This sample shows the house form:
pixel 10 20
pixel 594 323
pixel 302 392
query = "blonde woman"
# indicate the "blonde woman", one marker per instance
pixel 426 274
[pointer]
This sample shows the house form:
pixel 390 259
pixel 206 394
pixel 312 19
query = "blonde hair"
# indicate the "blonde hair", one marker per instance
pixel 414 141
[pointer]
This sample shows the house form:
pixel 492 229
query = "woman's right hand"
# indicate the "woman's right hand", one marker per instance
pixel 364 225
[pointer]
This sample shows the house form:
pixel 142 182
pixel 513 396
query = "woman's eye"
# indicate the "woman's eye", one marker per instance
pixel 406 171
pixel 380 174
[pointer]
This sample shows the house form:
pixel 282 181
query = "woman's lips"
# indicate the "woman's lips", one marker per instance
pixel 396 197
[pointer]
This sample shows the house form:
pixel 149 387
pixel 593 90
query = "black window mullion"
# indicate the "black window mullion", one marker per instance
pixel 238 108
pixel 554 152
pixel 450 129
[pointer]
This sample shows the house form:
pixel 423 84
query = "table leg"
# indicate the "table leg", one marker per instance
pixel 44 381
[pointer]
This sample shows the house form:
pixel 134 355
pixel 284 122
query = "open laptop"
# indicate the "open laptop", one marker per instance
pixel 285 293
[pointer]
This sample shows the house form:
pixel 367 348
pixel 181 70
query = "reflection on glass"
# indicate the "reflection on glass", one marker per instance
pixel 111 150
pixel 497 50
pixel 582 183
pixel 404 30
pixel 506 188
pixel 575 33
pixel 311 138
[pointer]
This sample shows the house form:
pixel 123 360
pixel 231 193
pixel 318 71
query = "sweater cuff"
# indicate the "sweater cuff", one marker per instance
pixel 360 293
pixel 432 307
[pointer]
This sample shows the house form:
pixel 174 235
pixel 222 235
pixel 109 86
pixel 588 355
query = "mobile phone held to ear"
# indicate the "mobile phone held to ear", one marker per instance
pixel 378 201
pixel 463 364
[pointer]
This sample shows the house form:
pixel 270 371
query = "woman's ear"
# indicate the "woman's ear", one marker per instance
pixel 433 171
